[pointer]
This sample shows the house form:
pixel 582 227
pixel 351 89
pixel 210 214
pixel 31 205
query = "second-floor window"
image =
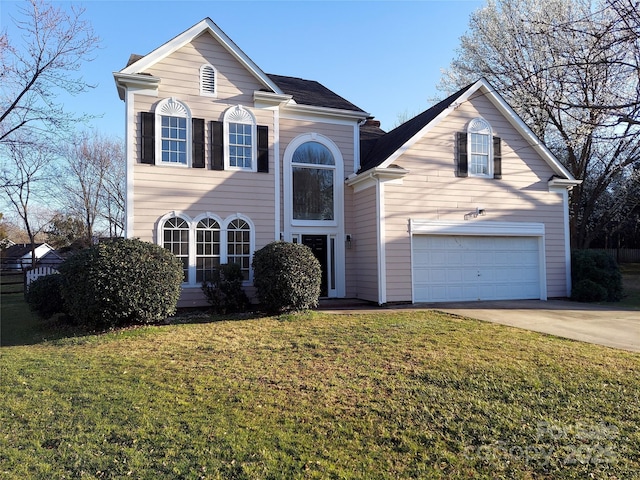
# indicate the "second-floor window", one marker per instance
pixel 240 148
pixel 173 132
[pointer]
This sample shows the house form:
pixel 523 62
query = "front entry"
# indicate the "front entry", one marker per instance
pixel 318 245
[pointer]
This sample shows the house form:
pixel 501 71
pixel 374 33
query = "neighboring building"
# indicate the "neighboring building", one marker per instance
pixel 462 202
pixel 18 256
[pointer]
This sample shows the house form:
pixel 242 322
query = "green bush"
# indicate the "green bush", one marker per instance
pixel 595 277
pixel 287 277
pixel 44 296
pixel 224 290
pixel 121 282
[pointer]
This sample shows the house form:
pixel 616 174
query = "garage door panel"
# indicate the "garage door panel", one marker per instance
pixel 459 268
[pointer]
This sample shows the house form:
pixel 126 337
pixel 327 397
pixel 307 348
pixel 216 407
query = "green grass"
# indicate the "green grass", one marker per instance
pixel 317 395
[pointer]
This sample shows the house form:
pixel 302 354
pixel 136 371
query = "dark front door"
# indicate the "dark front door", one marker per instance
pixel 318 245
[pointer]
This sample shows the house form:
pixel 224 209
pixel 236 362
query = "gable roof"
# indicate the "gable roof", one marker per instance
pixel 389 147
pixel 310 92
pixel 138 64
pixel 382 147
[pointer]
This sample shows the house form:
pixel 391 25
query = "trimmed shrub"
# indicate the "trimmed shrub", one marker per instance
pixel 44 296
pixel 120 283
pixel 287 277
pixel 595 277
pixel 224 290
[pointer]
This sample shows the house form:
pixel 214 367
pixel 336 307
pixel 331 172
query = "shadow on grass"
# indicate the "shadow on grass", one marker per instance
pixel 19 326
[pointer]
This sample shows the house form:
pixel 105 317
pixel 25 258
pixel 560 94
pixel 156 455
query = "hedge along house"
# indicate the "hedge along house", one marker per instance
pixel 462 202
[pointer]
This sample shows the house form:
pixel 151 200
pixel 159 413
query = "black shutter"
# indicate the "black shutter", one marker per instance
pixel 148 143
pixel 197 150
pixel 263 148
pixel 463 167
pixel 217 146
pixel 497 158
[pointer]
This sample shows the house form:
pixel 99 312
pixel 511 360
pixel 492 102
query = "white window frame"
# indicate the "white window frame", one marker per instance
pixel 196 221
pixel 192 253
pixel 161 229
pixel 203 71
pixel 338 187
pixel 171 107
pixel 240 115
pixel 479 126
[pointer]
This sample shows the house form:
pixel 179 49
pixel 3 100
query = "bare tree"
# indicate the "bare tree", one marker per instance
pixel 570 70
pixel 93 182
pixel 112 203
pixel 33 74
pixel 22 178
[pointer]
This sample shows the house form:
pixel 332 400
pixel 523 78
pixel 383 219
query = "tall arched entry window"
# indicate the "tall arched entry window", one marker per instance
pixel 314 205
pixel 313 175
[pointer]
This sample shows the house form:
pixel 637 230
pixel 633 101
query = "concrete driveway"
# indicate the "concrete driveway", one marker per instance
pixel 617 328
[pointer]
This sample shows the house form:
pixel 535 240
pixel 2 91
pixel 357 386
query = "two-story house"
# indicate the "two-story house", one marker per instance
pixel 461 202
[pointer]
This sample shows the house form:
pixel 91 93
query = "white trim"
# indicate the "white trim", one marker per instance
pixel 486 129
pixel 205 25
pixel 484 228
pixel 140 84
pixel 502 106
pixel 308 116
pixel 382 243
pixel 225 244
pixel 338 185
pixel 277 176
pixel 488 228
pixel 567 240
pixel 207 93
pixel 337 113
pixel 368 178
pixel 242 116
pixel 130 153
pixel 171 107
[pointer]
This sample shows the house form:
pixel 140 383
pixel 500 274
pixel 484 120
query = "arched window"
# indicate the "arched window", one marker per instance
pixel 313 180
pixel 173 132
pixel 239 245
pixel 207 248
pixel 241 147
pixel 208 83
pixel 479 138
pixel 175 238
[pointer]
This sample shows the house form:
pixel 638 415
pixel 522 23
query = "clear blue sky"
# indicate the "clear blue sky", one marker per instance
pixel 385 57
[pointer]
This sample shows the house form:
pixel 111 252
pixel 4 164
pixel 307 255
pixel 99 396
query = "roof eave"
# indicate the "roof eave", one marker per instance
pixel 297 108
pixel 126 81
pixel 205 25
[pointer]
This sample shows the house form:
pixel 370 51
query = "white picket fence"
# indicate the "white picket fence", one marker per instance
pixel 35 273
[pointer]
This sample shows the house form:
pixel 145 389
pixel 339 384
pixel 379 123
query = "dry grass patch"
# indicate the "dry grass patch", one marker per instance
pixel 416 394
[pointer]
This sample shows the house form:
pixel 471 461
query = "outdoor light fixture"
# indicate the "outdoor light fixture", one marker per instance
pixel 347 240
pixel 479 211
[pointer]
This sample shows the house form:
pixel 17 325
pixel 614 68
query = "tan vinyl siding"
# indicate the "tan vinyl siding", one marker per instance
pixel 162 189
pixel 431 191
pixel 365 245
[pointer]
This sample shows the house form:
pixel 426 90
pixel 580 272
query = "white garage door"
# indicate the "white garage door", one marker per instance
pixel 460 268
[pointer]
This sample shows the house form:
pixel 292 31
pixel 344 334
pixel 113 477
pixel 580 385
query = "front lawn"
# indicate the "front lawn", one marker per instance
pixel 386 395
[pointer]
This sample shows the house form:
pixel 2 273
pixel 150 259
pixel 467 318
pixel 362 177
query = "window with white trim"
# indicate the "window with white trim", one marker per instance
pixel 204 243
pixel 175 238
pixel 240 149
pixel 207 248
pixel 479 138
pixel 173 132
pixel 208 80
pixel 239 245
pixel 313 181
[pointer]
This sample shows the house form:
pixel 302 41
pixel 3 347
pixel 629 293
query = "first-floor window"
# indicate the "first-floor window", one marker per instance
pixel 202 245
pixel 175 238
pixel 239 245
pixel 207 249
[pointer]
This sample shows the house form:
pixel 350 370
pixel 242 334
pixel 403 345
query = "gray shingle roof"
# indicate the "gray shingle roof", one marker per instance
pixel 310 92
pixel 374 151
